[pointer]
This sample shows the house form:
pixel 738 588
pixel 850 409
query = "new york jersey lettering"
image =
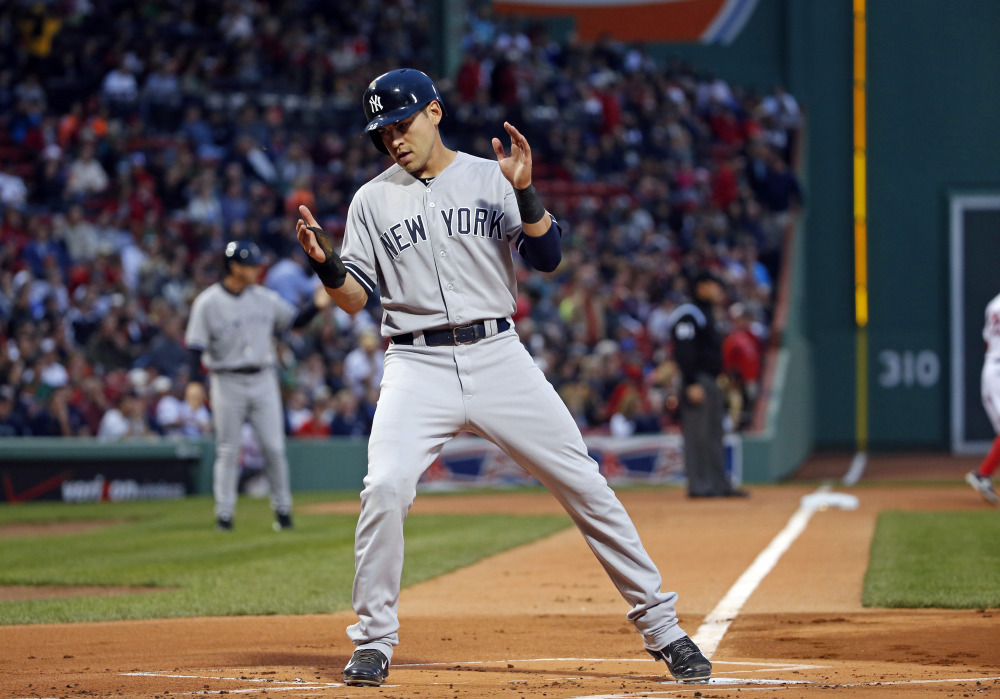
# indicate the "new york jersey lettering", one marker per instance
pixel 480 222
pixel 393 240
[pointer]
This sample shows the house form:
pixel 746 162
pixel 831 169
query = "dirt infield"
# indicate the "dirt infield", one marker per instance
pixel 544 621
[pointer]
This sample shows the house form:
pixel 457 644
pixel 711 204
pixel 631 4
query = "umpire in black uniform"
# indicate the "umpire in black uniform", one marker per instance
pixel 698 352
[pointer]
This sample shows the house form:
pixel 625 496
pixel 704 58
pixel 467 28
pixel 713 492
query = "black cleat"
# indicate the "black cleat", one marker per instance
pixel 685 662
pixel 368 668
pixel 729 493
pixel 282 521
pixel 223 524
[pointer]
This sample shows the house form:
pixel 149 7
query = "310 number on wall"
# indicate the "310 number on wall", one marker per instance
pixel 907 369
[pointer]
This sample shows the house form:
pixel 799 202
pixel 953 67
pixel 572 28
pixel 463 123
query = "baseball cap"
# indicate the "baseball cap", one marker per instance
pixel 705 275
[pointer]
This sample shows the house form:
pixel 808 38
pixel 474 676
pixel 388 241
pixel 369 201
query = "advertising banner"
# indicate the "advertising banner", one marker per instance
pixel 96 481
pixel 471 461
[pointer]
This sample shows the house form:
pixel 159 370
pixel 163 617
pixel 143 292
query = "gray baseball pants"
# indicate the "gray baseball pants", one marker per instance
pixel 495 389
pixel 253 398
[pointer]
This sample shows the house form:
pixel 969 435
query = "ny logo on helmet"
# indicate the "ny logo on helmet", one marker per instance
pixel 376 103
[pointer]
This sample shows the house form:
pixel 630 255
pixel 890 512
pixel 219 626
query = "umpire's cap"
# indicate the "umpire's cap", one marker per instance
pixel 395 96
pixel 241 252
pixel 697 275
pixel 705 275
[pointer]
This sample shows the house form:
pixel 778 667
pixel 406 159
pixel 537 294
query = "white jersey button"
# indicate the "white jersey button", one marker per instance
pixel 431 205
pixel 443 253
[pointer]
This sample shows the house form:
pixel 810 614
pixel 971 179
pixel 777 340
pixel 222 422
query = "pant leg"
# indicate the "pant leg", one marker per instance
pixel 716 401
pixel 515 406
pixel 419 409
pixel 228 415
pixel 990 389
pixel 704 453
pixel 268 421
pixel 694 429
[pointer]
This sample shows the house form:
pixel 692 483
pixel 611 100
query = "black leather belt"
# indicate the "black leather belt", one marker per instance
pixel 243 370
pixel 459 335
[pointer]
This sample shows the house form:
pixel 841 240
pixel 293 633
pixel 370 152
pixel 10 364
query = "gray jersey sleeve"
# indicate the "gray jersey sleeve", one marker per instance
pixel 196 336
pixel 357 250
pixel 512 215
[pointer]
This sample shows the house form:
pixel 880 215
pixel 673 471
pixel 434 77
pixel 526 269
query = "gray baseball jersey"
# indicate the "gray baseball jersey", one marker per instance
pixel 440 251
pixel 236 331
pixel 236 334
pixel 440 254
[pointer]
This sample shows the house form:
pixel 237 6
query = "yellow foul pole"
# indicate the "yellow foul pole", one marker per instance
pixel 860 242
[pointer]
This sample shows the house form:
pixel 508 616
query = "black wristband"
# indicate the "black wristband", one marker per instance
pixel 529 204
pixel 195 372
pixel 332 272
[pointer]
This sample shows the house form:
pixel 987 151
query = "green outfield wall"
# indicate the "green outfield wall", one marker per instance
pixel 932 112
pixel 335 463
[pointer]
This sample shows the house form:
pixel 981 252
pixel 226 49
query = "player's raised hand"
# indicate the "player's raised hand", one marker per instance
pixel 311 242
pixel 516 167
pixel 319 246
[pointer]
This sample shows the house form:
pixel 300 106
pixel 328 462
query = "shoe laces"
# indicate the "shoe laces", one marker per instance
pixel 682 650
pixel 370 654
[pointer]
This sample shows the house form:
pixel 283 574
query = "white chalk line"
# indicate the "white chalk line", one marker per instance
pixel 764 666
pixel 857 469
pixel 716 624
pixel 674 687
pixel 274 685
pixel 884 683
pixel 833 686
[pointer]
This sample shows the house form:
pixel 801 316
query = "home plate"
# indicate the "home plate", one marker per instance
pixel 748 680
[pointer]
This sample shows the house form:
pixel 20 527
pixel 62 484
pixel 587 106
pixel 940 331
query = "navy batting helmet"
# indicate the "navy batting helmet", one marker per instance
pixel 241 252
pixel 395 96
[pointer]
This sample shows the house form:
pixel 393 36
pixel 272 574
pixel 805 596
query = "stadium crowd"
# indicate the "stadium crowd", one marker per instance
pixel 136 139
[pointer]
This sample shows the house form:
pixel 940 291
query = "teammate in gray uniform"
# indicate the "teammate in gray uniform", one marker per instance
pixel 230 330
pixel 434 233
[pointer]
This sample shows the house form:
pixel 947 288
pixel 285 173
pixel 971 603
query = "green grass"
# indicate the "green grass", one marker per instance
pixel 251 570
pixel 934 559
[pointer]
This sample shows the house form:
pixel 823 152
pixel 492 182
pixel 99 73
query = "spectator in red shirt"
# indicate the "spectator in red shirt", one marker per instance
pixel 317 425
pixel 725 184
pixel 741 359
pixel 469 79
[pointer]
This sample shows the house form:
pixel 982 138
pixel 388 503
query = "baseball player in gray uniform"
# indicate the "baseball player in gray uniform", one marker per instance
pixel 434 233
pixel 231 331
